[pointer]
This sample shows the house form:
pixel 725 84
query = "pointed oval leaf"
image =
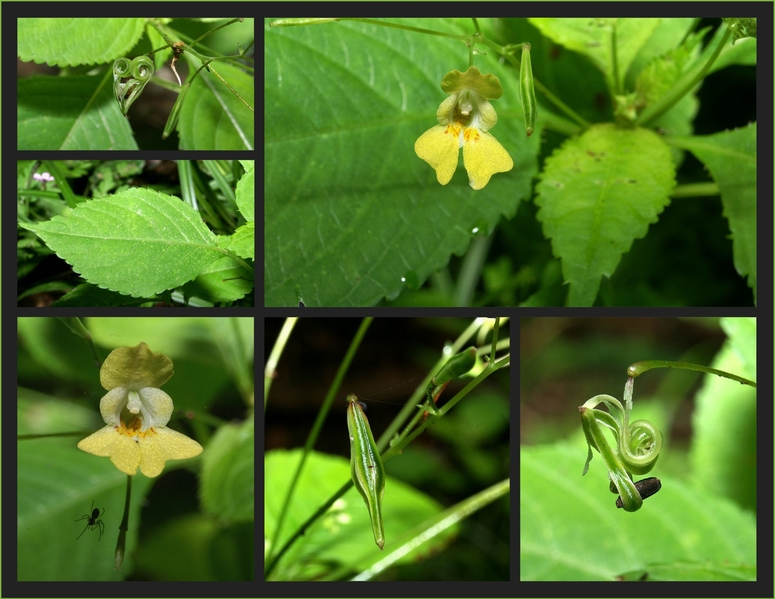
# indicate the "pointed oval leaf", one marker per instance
pixel 730 156
pixel 598 193
pixel 212 117
pixel 246 194
pixel 53 41
pixel 138 242
pixel 70 113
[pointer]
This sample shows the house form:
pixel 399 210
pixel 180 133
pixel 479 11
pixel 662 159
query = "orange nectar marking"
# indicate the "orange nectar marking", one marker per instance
pixel 133 430
pixel 471 134
pixel 454 129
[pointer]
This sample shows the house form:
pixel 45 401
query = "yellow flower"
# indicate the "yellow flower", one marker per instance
pixel 464 119
pixel 136 413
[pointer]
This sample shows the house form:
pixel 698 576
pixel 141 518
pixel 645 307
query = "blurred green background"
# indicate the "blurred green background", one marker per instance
pixel 194 521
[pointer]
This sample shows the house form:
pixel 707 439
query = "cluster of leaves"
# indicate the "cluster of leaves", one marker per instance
pixel 702 523
pixel 77 110
pixel 196 520
pixel 368 222
pixel 139 245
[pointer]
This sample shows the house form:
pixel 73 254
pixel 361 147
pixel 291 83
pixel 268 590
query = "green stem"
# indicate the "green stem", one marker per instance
pixel 61 181
pixel 617 90
pixel 275 558
pixel 314 433
pixel 495 330
pixel 76 326
pixel 596 438
pixel 400 444
pixel 292 22
pixel 123 527
pixel 640 367
pixel 270 371
pixel 221 26
pixel 239 261
pixel 695 190
pixel 471 270
pixel 682 87
pixel 48 435
pixel 434 526
pixel 507 53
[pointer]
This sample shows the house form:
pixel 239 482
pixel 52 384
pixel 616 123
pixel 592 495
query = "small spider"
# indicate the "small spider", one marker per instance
pixel 93 521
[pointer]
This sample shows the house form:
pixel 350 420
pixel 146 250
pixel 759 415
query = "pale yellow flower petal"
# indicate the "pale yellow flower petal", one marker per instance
pixel 446 111
pixel 483 156
pixel 439 147
pixel 487 117
pixel 122 450
pixel 158 407
pixel 164 445
pixel 130 449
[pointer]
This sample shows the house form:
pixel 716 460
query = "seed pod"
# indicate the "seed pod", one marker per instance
pixel 646 487
pixel 137 74
pixel 456 366
pixel 366 466
pixel 527 94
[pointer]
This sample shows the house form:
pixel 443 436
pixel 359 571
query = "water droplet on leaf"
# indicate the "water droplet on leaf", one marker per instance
pixel 411 280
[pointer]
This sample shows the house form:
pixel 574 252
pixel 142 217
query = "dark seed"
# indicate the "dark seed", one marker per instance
pixel 646 487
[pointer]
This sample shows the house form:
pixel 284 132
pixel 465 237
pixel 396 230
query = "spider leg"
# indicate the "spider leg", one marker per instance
pixel 101 526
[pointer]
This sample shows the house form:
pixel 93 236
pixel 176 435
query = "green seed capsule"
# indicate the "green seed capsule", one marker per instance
pixel 527 94
pixel 366 466
pixel 456 366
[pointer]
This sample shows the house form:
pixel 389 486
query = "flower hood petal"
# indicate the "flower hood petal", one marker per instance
pixel 486 85
pixel 134 368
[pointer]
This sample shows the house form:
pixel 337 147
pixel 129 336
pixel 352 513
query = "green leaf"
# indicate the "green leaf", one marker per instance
pixel 245 192
pixel 593 38
pixel 598 193
pixel 694 571
pixel 56 485
pixel 212 117
pixel 227 473
pixel 243 241
pixel 659 76
pixel 742 336
pixel 668 35
pixel 86 294
pixel 70 113
pixel 730 156
pixel 138 242
pixel 723 450
pixel 570 528
pixel 224 280
pixel 352 215
pixel 343 535
pixel 193 547
pixel 73 42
